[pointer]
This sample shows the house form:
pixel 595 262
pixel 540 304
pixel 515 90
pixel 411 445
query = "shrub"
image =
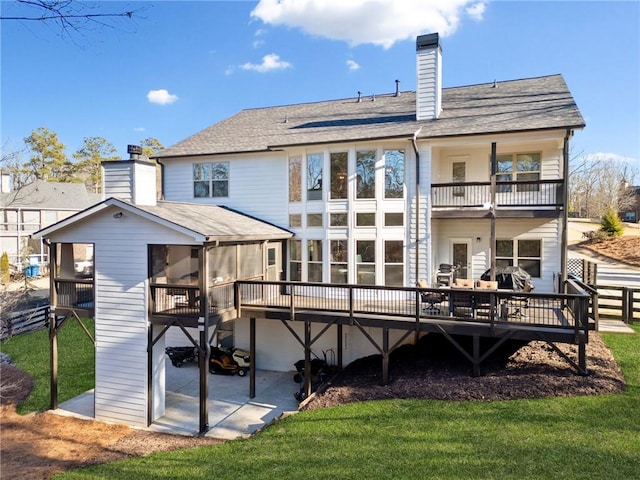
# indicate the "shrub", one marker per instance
pixel 596 236
pixel 611 224
pixel 5 275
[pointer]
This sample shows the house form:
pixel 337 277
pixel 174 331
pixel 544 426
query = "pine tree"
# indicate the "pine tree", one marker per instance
pixel 611 224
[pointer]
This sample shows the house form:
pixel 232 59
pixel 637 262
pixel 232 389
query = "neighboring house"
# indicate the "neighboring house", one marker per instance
pixel 366 195
pixel 632 211
pixel 33 207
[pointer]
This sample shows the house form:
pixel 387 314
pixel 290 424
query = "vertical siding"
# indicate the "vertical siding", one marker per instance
pixel 120 255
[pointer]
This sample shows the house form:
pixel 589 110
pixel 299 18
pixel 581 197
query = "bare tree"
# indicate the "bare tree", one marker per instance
pixel 599 184
pixel 71 16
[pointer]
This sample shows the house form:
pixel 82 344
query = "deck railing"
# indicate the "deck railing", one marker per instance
pixel 184 300
pixel 75 293
pixel 511 194
pixel 484 306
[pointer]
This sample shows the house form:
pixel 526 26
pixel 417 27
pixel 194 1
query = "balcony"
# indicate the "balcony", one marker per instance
pixel 539 198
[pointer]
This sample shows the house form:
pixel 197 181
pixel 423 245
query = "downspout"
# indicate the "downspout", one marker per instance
pixel 565 213
pixel 415 149
pixel 161 179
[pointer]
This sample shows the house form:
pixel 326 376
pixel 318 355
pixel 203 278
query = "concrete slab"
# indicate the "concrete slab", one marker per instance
pixel 232 414
pixel 614 326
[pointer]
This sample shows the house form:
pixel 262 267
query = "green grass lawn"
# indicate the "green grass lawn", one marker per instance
pixel 76 363
pixel 580 437
pixel 566 438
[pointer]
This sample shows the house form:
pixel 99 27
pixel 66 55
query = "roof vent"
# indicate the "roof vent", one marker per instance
pixel 495 84
pixel 359 96
pixel 397 88
pixel 373 97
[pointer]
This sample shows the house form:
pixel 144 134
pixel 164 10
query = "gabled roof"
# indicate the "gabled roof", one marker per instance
pixel 514 106
pixel 43 195
pixel 206 223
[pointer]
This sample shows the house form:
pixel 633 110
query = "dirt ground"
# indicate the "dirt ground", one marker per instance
pixel 38 445
pixel 625 249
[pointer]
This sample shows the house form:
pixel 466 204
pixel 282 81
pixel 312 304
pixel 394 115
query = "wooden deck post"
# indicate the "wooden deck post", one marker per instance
pixel 339 346
pixel 476 356
pixel 252 355
pixel 385 356
pixel 307 359
pixel 53 359
pixel 492 213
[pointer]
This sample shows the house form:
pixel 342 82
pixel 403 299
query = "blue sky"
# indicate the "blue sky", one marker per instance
pixel 178 67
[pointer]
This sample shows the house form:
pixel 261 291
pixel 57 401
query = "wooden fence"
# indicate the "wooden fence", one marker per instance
pixel 24 321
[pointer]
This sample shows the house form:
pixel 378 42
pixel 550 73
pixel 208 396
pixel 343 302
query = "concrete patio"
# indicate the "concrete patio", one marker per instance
pixel 232 414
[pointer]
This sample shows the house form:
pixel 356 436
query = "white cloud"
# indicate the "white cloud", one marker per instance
pixel 608 157
pixel 378 22
pixel 476 11
pixel 269 62
pixel 139 129
pixel 161 97
pixel 353 65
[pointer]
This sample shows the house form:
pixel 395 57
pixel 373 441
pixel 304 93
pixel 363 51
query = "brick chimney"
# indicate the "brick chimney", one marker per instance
pixel 429 72
pixel 132 180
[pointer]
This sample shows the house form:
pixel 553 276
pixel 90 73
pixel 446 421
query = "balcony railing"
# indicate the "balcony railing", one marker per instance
pixel 75 294
pixel 511 194
pixel 184 300
pixel 553 310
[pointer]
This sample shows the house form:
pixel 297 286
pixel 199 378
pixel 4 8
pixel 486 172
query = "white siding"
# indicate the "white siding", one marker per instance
pixel 537 229
pixel 120 255
pixel 423 200
pixel 257 185
pixel 429 83
pixel 130 180
pixel 277 349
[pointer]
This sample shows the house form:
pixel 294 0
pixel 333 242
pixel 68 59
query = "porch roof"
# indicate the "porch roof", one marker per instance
pixel 531 104
pixel 206 223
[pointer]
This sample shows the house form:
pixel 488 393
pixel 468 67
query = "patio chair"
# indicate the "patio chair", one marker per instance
pixel 482 301
pixel 461 302
pixel 517 306
pixel 430 299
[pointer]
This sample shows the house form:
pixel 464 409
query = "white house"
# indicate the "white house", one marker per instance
pixel 363 194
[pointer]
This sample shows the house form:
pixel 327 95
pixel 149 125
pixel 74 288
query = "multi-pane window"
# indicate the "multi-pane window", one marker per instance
pixel 211 180
pixel 338 172
pixel 339 268
pixel 314 176
pixel 527 254
pixel 365 219
pixel 314 264
pixel 393 173
pixel 295 260
pixel 393 219
pixel 295 220
pixel 393 263
pixel 338 219
pixel 314 220
pixel 295 179
pixel 521 167
pixel 366 262
pixel 366 174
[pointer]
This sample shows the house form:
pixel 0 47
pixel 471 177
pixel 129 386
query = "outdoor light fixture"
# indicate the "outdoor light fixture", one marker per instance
pixel 117 215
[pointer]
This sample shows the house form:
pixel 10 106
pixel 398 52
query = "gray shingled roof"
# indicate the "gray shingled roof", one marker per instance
pixel 43 195
pixel 512 106
pixel 216 222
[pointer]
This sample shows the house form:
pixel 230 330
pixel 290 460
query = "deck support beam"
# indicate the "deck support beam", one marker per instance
pixel 252 355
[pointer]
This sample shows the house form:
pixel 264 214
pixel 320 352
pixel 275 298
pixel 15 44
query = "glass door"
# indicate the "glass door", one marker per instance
pixel 461 257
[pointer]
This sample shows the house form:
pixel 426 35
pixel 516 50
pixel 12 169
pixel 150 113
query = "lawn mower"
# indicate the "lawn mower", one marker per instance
pixel 320 372
pixel 229 363
pixel 180 355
